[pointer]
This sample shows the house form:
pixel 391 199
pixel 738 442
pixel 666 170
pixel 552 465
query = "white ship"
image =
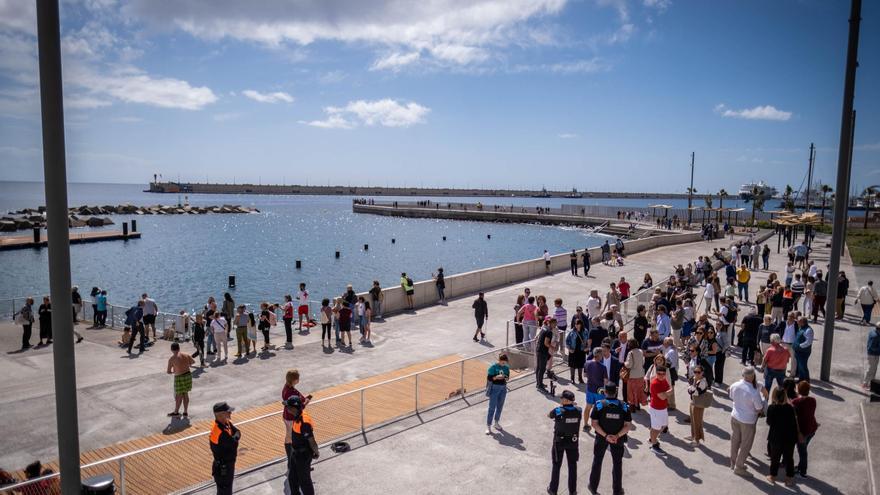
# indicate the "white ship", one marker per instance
pixel 747 191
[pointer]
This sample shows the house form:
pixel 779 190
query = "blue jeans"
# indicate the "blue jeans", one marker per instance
pixel 497 394
pixel 867 309
pixel 743 290
pixel 212 346
pixel 802 455
pixel 802 357
pixel 770 375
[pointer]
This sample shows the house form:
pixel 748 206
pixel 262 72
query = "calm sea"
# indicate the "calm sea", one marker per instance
pixel 182 259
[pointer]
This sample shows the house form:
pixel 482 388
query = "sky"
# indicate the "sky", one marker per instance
pixel 599 95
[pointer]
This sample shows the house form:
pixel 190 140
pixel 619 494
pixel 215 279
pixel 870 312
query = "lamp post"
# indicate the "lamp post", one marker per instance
pixel 691 189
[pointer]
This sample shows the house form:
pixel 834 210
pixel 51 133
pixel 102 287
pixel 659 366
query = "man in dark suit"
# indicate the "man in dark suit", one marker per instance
pixel 611 363
pixel 619 350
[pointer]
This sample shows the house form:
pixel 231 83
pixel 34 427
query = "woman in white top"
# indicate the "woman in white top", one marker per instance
pixel 326 315
pixel 708 296
pixel 251 334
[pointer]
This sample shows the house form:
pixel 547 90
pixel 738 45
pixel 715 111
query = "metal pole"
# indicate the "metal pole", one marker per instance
pixel 810 174
pixel 841 200
pixel 848 177
pixel 122 476
pixel 362 410
pixel 507 335
pixel 462 379
pixel 417 393
pixel 691 190
pixel 55 172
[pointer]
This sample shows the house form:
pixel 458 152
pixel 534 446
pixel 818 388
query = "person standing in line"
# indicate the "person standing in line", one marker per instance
pixel 561 316
pixel 345 323
pixel 25 318
pixel 265 324
pixel 820 295
pixel 756 252
pixel 179 365
pixel 287 318
pixel 218 330
pixel 481 314
pixel 577 350
pixel 748 337
pixel 748 399
pixel 44 313
pixel 546 262
pixel 743 276
pixel 573 261
pixel 251 333
pixel 94 294
pixel 76 299
pixel 326 319
pixel 406 284
pixel 440 283
pixel 542 356
pixel 224 439
pixel 528 315
pixel 304 448
pixel 210 312
pixel 657 408
pixel 377 297
pixel 566 425
pixel 765 257
pixel 634 373
pixel 228 309
pixel 517 319
pixel 101 304
pixel 198 338
pixel 611 420
pixel 709 295
pixel 291 380
pixel 775 361
pixel 700 392
pixel 782 436
pixel 151 310
pixel 867 298
pixel 765 331
pixel 597 377
pixel 496 390
pixel 873 356
pixel 358 316
pixel 803 346
pixel 585 260
pixel 368 325
pixel 134 319
pixel 302 299
pixel 805 410
pixel 241 328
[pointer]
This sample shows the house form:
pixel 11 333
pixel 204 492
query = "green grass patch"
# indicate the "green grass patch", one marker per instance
pixel 864 246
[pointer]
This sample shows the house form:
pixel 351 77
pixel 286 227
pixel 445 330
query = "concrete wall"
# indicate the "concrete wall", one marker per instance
pixel 486 215
pixel 469 283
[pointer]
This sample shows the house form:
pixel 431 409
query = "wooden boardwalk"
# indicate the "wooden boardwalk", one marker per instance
pixel 188 463
pixel 27 241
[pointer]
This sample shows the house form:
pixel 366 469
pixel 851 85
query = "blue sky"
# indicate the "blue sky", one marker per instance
pixel 594 94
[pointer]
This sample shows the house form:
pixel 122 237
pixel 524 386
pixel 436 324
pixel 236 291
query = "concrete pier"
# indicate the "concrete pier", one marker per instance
pixel 28 241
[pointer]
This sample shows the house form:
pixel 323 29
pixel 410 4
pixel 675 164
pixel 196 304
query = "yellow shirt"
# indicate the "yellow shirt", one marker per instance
pixel 743 276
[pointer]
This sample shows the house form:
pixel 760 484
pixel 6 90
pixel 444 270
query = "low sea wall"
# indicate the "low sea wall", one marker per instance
pixel 474 214
pixel 469 283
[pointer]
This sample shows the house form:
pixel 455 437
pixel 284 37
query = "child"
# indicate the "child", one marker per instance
pixel 251 334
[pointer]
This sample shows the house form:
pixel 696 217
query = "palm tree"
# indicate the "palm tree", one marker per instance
pixel 870 195
pixel 758 199
pixel 825 190
pixel 721 195
pixel 787 200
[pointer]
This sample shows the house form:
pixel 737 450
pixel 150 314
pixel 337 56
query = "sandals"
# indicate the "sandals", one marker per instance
pixel 173 414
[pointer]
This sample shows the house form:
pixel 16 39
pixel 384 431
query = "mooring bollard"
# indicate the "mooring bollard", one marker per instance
pixel 444 237
pixel 366 247
pixel 299 264
pixel 488 236
pixel 36 235
pixel 232 281
pixel 134 225
pixel 337 254
pixel 393 240
pixel 124 229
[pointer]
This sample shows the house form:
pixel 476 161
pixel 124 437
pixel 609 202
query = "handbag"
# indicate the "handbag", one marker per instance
pixel 703 400
pixel 20 319
pixel 624 373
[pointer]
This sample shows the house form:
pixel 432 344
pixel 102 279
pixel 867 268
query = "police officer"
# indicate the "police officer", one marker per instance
pixel 566 425
pixel 304 448
pixel 611 421
pixel 224 446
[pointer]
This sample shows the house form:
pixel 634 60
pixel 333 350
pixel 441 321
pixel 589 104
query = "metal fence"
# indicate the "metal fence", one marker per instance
pixel 156 469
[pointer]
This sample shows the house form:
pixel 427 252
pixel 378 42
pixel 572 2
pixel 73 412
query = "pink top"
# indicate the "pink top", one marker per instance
pixel 528 311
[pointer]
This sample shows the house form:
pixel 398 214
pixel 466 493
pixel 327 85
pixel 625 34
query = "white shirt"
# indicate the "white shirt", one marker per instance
pixel 218 325
pixel 790 331
pixel 150 307
pixel 621 352
pixel 867 295
pixel 808 336
pixel 594 305
pixel 671 355
pixel 709 293
pixel 546 256
pixel 756 250
pixel 813 271
pixel 747 402
pixel 606 362
pixel 303 297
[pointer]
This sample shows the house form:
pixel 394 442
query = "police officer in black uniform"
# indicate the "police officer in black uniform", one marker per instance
pixel 224 440
pixel 611 421
pixel 303 449
pixel 566 425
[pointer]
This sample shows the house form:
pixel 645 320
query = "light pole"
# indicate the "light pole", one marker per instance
pixel 55 172
pixel 841 200
pixel 691 189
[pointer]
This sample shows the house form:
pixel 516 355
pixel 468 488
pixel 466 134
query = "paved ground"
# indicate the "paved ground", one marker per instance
pixel 446 451
pixel 122 397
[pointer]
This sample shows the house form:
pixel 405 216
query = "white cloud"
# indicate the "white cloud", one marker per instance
pixel 276 97
pixel 85 102
pixel 18 15
pixel 449 32
pixel 128 119
pixel 131 85
pixel 226 117
pixel 395 61
pixel 385 112
pixel 587 66
pixel 567 135
pixel 766 112
pixel 660 5
pixel 868 146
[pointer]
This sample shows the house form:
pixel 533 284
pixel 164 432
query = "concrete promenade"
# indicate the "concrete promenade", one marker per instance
pixel 123 398
pixel 445 451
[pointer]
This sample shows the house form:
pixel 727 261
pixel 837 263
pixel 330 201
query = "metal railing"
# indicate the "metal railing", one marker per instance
pixel 339 416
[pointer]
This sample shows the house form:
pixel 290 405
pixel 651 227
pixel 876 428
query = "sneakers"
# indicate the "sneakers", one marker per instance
pixel 657 450
pixel 742 472
pixel 488 431
pixel 498 426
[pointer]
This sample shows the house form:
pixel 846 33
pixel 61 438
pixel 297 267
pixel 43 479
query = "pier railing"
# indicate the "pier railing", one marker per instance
pixel 341 416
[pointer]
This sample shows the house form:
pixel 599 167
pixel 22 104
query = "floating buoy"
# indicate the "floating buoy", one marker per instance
pixel 488 236
pixel 337 254
pixel 299 264
pixel 393 240
pixel 232 281
pixel 366 247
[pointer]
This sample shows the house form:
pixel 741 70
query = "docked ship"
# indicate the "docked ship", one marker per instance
pixel 542 194
pixel 574 194
pixel 747 191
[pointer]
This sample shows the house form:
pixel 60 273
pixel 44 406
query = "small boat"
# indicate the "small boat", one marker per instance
pixel 574 194
pixel 542 194
pixel 747 191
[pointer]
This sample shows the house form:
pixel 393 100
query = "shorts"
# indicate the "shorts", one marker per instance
pixel 410 292
pixel 303 310
pixel 799 258
pixel 659 418
pixel 593 398
pixel 149 319
pixel 183 383
pixel 546 262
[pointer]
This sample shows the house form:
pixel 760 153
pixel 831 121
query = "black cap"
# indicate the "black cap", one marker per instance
pixel 293 401
pixel 610 390
pixel 568 394
pixel 223 407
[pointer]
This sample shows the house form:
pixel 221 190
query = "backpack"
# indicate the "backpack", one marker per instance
pixel 273 320
pixel 409 281
pixel 731 313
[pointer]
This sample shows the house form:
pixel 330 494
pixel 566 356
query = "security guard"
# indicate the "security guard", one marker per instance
pixel 304 448
pixel 566 425
pixel 611 421
pixel 224 446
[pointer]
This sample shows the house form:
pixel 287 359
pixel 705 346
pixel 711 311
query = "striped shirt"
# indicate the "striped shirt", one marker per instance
pixel 561 316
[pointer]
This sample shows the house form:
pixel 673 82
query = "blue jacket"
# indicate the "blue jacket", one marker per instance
pixel 874 342
pixel 133 315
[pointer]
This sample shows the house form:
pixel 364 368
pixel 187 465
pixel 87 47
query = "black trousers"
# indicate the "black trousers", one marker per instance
pixel 223 476
pixel 568 449
pixel 748 353
pixel 288 329
pixel 599 448
pixel 574 267
pixel 785 452
pixel 518 332
pixel 46 329
pixel 719 367
pixel 26 335
pixel 586 270
pixel 325 330
pixel 137 328
pixel 299 473
pixel 540 369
